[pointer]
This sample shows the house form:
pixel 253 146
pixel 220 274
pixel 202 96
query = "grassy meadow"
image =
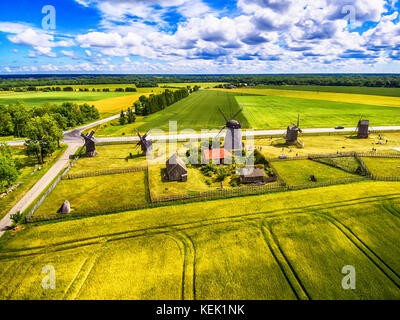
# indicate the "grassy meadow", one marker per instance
pixel 383 166
pixel 298 172
pixel 96 193
pixel 265 248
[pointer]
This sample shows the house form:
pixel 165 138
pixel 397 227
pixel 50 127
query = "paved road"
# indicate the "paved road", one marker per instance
pixel 244 133
pixel 37 189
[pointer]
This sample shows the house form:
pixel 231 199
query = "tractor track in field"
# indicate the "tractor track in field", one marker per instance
pixel 283 262
pixel 66 245
pixel 390 208
pixel 21 275
pixel 188 250
pixel 388 271
pixel 75 287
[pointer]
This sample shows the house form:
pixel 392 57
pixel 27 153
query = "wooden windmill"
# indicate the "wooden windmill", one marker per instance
pixel 90 144
pixel 233 137
pixel 144 142
pixel 362 129
pixel 292 134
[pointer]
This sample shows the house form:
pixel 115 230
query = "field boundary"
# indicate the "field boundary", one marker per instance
pixel 102 172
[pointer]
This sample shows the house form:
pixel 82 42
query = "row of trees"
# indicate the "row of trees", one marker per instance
pixel 71 89
pixel 156 102
pixel 15 117
pixel 140 81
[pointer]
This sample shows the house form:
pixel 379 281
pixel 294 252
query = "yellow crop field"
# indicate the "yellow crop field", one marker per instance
pixel 116 104
pixel 326 96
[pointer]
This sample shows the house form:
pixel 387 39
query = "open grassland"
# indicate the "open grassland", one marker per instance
pixel 323 144
pixel 386 101
pixel 28 175
pixel 94 194
pixel 274 112
pixel 298 172
pixel 265 248
pixel 376 91
pixel 383 166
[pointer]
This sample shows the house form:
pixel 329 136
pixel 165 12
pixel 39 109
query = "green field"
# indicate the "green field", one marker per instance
pixel 389 92
pixel 298 172
pixel 96 194
pixel 34 99
pixel 267 247
pixel 198 111
pixel 383 166
pixel 271 112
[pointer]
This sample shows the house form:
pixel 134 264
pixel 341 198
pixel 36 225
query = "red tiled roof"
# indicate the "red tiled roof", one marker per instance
pixel 216 154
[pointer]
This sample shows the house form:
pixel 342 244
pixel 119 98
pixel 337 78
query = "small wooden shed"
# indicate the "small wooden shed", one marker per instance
pixel 176 169
pixel 251 175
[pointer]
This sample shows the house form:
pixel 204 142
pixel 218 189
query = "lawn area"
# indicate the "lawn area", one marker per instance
pixel 96 194
pixel 196 183
pixel 298 172
pixel 209 252
pixel 363 99
pixel 383 166
pixel 110 157
pixel 28 175
pixel 376 91
pixel 346 163
pixel 276 112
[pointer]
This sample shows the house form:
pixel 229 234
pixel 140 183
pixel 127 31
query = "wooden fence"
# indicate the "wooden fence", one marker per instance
pixel 103 172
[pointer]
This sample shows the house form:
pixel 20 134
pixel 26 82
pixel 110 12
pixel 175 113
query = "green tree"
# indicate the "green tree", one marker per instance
pixel 43 135
pixel 8 169
pixel 6 124
pixel 122 118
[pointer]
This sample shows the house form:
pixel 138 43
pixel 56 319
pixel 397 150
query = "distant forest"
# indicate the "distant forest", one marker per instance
pixel 361 80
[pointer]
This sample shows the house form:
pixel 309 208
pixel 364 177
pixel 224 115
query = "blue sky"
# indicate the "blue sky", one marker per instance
pixel 201 36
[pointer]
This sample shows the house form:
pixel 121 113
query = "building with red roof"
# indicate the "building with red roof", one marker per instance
pixel 216 155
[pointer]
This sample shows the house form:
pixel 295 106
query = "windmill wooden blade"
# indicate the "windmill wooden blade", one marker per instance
pixel 220 132
pixel 298 121
pixel 140 137
pixel 241 109
pixel 91 135
pixel 223 115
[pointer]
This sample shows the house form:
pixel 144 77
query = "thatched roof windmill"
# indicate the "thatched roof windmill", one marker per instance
pixel 90 144
pixel 144 142
pixel 292 133
pixel 233 137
